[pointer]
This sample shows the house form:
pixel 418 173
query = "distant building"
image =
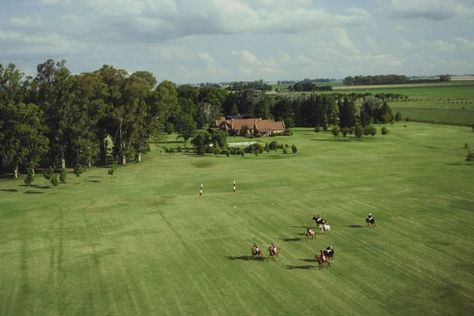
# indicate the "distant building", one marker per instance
pixel 249 126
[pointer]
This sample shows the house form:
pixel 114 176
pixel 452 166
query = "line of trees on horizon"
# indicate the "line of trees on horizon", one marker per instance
pixel 390 79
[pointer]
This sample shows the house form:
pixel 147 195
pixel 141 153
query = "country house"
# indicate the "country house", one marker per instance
pixel 249 126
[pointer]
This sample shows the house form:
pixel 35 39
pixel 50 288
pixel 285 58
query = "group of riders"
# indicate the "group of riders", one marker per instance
pixel 325 256
pixel 257 252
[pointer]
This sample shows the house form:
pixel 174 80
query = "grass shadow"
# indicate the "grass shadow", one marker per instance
pixel 304 267
pixel 307 260
pixel 36 186
pixel 245 258
pixel 33 192
pixel 94 181
pixel 292 239
pixel 460 164
pixel 355 226
pixel 9 190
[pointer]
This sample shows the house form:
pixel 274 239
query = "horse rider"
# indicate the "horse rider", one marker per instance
pixel 273 249
pixel 319 220
pixel 370 219
pixel 255 249
pixel 329 252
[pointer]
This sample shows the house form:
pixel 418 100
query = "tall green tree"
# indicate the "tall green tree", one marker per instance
pixel 23 129
pixel 347 113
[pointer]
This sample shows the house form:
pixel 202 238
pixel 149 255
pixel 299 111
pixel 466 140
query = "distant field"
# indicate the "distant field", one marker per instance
pixel 144 243
pixel 450 103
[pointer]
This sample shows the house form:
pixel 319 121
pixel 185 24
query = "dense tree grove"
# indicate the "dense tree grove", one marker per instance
pixel 63 120
pixel 390 79
pixel 308 85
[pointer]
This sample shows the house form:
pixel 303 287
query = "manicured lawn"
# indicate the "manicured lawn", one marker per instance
pixel 144 242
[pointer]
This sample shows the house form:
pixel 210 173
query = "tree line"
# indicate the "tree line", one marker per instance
pixel 56 118
pixel 390 79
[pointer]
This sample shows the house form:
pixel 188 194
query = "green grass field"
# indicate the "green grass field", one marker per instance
pixel 144 242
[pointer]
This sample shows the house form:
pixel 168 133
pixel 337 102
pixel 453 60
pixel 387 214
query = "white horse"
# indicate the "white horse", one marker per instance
pixel 324 227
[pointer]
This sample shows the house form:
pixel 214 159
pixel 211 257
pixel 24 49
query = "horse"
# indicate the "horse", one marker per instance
pixel 324 227
pixel 321 260
pixel 255 253
pixel 370 221
pixel 272 253
pixel 318 220
pixel 309 233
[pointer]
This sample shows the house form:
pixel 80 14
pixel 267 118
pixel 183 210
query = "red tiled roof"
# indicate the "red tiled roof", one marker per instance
pixel 268 126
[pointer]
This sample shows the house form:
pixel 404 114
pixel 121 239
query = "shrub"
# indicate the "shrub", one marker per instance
pixel 466 146
pixel 54 181
pixel 273 145
pixel 317 129
pixel 78 170
pixel 285 151
pixel 242 153
pixel 358 131
pixel 29 177
pixel 470 156
pixel 294 149
pixel 287 132
pixel 62 176
pixel 335 131
pixel 111 171
pixel 373 131
pixel 398 116
pixel 226 152
pixel 345 131
pixel 407 119
pixel 473 127
pixel 48 173
pixel 384 130
pixel 216 150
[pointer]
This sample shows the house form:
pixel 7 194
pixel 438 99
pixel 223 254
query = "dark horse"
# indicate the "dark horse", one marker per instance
pixel 318 220
pixel 370 221
pixel 321 260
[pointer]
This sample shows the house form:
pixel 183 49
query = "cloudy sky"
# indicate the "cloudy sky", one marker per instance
pixel 226 40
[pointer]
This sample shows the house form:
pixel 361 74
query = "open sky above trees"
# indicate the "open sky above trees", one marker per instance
pixel 209 40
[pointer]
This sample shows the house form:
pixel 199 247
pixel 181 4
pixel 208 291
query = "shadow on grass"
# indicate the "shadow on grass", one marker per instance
pixel 94 181
pixel 460 164
pixel 36 186
pixel 9 190
pixel 307 260
pixel 305 267
pixel 355 226
pixel 33 192
pixel 292 239
pixel 245 258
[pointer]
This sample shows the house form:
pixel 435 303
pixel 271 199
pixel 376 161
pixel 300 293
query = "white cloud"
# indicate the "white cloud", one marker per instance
pixel 406 44
pixel 52 44
pixel 429 9
pixel 464 42
pixel 442 45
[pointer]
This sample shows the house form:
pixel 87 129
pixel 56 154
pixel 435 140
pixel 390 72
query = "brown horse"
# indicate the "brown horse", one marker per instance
pixel 321 260
pixel 273 253
pixel 256 253
pixel 309 233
